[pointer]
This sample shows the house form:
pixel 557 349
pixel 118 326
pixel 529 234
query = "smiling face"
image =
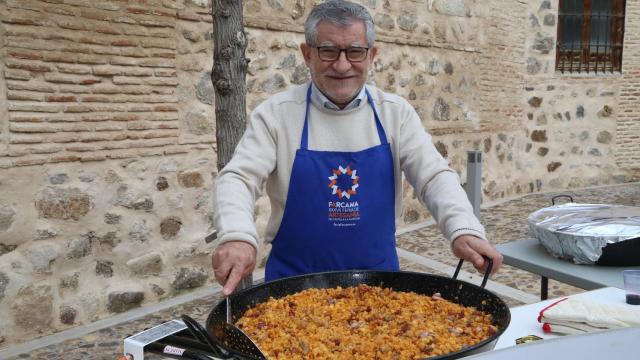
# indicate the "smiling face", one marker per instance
pixel 339 80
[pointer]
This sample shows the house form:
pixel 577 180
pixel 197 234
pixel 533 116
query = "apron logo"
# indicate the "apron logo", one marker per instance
pixel 350 176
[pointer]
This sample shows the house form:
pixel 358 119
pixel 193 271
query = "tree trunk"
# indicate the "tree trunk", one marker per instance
pixel 228 76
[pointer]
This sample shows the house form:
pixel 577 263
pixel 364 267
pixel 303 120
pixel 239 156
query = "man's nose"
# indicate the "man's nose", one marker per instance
pixel 342 64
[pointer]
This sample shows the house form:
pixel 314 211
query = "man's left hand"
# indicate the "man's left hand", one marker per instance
pixel 471 248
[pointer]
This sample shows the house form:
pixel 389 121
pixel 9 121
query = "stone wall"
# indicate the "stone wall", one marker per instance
pixel 107 131
pixel 107 159
pixel 572 119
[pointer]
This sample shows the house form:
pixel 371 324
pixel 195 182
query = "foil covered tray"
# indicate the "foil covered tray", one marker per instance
pixel 581 232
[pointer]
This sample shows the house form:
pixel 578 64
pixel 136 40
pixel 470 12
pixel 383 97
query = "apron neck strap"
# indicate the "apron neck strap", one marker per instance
pixel 381 133
pixel 304 142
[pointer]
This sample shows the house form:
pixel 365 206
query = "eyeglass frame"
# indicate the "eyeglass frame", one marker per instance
pixel 346 53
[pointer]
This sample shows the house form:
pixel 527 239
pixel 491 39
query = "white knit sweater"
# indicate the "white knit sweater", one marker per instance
pixel 268 146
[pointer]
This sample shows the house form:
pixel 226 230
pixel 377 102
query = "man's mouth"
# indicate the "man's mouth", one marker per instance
pixel 341 77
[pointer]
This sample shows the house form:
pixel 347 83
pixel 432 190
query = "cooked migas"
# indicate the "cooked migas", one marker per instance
pixel 363 322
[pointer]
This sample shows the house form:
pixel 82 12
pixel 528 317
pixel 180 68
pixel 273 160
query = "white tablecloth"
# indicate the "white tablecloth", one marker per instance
pixel 524 318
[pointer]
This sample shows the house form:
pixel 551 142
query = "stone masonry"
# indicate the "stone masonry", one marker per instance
pixel 107 131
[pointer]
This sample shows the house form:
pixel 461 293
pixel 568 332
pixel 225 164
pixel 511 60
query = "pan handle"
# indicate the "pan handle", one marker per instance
pixel 202 335
pixel 486 274
pixel 553 199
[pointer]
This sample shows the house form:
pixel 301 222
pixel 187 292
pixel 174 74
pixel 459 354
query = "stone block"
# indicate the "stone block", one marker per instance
pixel 104 268
pixel 539 135
pixel 41 257
pixel 170 226
pixel 605 112
pixel 33 308
pixel 543 44
pixel 7 217
pixel 300 75
pixel 384 21
pixel 162 183
pixel 121 301
pixel 4 282
pixel 533 66
pixel 110 239
pixel 541 120
pixel 552 166
pixel 68 315
pixel 70 281
pixel 604 137
pixel 198 123
pixel 407 21
pixel 189 278
pixel 449 7
pixel 46 233
pixel 448 68
pixel 63 203
pixel 549 20
pixel 134 198
pixel 274 84
pixel 442 148
pixel 535 101
pixel 441 110
pixel 146 265
pixel 190 179
pixel 139 231
pixel 80 247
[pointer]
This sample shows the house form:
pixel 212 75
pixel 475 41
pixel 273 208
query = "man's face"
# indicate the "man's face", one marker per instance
pixel 339 80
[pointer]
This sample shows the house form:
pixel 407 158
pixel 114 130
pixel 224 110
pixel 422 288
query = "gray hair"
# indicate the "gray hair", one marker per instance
pixel 341 13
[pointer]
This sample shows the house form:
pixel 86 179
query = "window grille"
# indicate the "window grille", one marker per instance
pixel 590 34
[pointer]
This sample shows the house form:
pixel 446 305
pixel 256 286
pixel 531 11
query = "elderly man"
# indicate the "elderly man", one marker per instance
pixel 332 154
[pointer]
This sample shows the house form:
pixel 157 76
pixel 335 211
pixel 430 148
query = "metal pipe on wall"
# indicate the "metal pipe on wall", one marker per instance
pixel 474 180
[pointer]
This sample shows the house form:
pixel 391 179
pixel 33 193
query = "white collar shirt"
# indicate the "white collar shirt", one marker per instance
pixel 321 101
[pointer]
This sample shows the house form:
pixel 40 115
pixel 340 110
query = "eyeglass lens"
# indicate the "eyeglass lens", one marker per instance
pixel 331 53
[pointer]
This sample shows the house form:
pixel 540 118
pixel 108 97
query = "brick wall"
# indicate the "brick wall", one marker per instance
pixel 501 79
pixel 628 129
pixel 92 81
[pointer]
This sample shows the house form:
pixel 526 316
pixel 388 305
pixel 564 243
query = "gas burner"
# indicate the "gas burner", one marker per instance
pixel 171 339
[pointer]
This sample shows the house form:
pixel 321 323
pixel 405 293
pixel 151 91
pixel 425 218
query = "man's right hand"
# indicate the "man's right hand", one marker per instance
pixel 232 261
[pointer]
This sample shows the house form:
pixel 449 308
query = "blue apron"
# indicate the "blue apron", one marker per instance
pixel 340 210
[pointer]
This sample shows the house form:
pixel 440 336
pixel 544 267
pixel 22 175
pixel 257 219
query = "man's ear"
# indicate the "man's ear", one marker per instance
pixel 372 53
pixel 306 52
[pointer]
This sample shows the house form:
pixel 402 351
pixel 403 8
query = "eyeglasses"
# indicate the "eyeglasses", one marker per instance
pixel 332 53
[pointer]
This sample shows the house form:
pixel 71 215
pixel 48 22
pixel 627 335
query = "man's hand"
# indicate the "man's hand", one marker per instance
pixel 471 248
pixel 232 261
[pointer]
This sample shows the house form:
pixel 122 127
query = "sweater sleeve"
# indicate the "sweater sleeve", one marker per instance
pixel 239 184
pixel 436 184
